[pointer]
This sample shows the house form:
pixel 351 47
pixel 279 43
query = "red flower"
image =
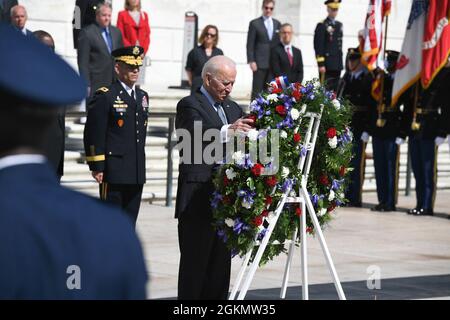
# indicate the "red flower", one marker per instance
pixel 277 90
pixel 331 207
pixel 298 211
pixel 309 230
pixel 252 117
pixel 323 179
pixel 225 181
pixel 271 181
pixel 265 213
pixel 258 221
pixel 297 137
pixel 342 171
pixel 268 200
pixel 281 110
pixel 331 133
pixel 226 200
pixel 258 169
pixel 333 95
pixel 297 95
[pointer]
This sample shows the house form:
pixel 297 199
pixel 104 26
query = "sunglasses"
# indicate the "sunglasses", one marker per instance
pixel 268 8
pixel 211 35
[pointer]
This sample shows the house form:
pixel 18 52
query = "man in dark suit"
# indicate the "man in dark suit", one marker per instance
pixel 328 46
pixel 115 133
pixel 285 58
pixel 54 243
pixel 261 38
pixel 5 10
pixel 83 15
pixel 205 261
pixel 56 135
pixel 19 19
pixel 95 44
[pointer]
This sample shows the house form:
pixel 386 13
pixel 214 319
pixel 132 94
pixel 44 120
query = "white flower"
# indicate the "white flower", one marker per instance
pixel 229 222
pixel 238 157
pixel 272 97
pixel 295 114
pixel 270 216
pixel 252 135
pixel 316 84
pixel 283 134
pixel 322 212
pixel 303 110
pixel 246 204
pixel 333 142
pixel 293 194
pixel 331 196
pixel 230 174
pixel 285 172
pixel 336 104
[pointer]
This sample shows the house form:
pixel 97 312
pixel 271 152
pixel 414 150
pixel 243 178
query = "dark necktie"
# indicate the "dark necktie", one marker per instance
pixel 133 95
pixel 108 40
pixel 290 57
pixel 221 113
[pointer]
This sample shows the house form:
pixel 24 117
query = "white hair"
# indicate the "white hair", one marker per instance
pixel 217 63
pixel 15 8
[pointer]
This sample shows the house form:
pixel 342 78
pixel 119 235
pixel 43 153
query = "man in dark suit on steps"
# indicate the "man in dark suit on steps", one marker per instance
pixel 205 261
pixel 262 37
pixel 95 44
pixel 285 59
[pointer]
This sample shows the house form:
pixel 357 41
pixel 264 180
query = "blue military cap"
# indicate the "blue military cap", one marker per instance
pixel 29 70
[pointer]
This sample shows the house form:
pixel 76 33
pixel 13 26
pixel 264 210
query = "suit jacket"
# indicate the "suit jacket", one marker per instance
pixel 259 44
pixel 196 107
pixel 55 142
pixel 5 10
pixel 131 32
pixel 328 44
pixel 280 63
pixel 95 62
pixel 45 229
pixel 115 134
pixel 86 11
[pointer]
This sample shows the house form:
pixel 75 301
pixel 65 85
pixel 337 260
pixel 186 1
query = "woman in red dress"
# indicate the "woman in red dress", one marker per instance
pixel 134 24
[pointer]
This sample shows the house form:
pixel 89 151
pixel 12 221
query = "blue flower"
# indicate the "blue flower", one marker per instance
pixel 217 197
pixel 303 151
pixel 287 184
pixel 247 195
pixel 336 184
pixel 262 234
pixel 222 235
pixel 339 203
pixel 315 200
pixel 239 226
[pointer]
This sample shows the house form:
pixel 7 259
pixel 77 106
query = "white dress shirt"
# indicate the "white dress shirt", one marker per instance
pixel 268 22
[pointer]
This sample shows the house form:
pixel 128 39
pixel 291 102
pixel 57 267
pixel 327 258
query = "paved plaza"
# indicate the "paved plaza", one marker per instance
pixel 411 253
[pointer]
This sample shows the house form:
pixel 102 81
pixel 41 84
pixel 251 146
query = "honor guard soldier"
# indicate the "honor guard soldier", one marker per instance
pixel 356 86
pixel 426 132
pixel 387 138
pixel 328 46
pixel 115 133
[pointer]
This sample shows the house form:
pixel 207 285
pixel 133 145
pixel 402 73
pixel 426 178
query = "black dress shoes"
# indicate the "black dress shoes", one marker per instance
pixel 424 212
pixel 383 208
pixel 413 211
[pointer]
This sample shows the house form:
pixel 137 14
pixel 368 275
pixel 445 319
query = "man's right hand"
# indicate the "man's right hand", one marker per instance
pixel 322 69
pixel 242 124
pixel 98 176
pixel 253 66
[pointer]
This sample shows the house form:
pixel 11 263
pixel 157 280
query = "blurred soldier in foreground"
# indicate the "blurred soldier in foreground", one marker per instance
pixel 356 87
pixel 328 46
pixel 426 132
pixel 386 138
pixel 115 133
pixel 54 243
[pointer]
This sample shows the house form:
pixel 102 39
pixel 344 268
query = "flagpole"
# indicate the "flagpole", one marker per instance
pixel 381 106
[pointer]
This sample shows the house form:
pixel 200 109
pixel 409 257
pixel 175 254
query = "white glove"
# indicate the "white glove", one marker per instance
pixel 439 140
pixel 399 141
pixel 365 137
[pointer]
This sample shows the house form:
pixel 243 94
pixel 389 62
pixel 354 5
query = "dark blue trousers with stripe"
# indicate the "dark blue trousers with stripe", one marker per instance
pixel 423 162
pixel 354 191
pixel 385 158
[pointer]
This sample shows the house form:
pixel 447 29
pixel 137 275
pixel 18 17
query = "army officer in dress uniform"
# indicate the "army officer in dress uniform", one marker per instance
pixel 356 86
pixel 387 138
pixel 426 132
pixel 328 46
pixel 115 132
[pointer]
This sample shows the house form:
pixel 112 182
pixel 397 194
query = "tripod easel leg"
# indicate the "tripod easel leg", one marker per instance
pixel 304 255
pixel 288 266
pixel 240 275
pixel 324 246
